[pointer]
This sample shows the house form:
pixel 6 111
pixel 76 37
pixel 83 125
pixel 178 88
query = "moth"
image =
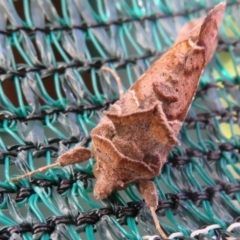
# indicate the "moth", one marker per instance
pixel 133 139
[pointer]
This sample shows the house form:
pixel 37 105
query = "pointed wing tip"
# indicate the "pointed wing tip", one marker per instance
pixel 207 37
pixel 221 5
pixel 217 13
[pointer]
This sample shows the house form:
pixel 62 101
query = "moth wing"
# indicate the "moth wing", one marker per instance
pixel 155 120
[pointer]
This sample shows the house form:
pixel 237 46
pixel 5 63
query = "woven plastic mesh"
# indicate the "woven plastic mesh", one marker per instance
pixel 52 93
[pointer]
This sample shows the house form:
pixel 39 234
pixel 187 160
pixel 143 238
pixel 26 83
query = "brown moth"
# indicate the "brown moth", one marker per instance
pixel 133 139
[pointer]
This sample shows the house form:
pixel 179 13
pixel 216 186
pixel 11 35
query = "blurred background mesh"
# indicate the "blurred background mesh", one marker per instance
pixel 52 93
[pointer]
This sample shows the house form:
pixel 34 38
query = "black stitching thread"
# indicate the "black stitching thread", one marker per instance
pixel 79 110
pixel 66 184
pixel 98 63
pixel 210 155
pixel 119 22
pixel 201 117
pixel 176 160
pixel 173 202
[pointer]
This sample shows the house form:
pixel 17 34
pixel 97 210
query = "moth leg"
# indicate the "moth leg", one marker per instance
pixel 29 174
pixel 117 78
pixel 106 183
pixel 149 193
pixel 75 155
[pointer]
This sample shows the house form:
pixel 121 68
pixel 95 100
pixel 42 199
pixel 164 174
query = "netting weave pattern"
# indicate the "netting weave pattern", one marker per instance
pixel 53 92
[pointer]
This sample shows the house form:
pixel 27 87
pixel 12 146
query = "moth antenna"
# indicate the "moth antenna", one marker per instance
pixel 117 78
pixel 29 174
pixel 156 222
pixel 74 155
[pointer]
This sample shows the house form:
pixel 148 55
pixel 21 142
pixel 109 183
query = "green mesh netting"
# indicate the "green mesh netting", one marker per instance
pixel 52 94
